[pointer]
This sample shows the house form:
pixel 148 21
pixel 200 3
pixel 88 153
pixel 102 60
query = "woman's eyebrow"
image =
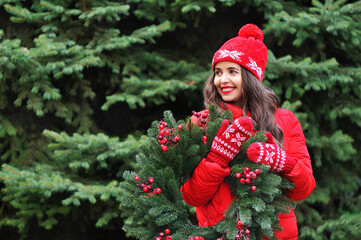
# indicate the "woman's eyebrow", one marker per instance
pixel 233 68
pixel 229 68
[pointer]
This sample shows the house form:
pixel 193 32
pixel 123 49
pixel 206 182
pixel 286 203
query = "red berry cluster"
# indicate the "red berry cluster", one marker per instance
pixel 248 177
pixel 196 238
pixel 147 186
pixel 243 233
pixel 202 117
pixel 202 121
pixel 167 136
pixel 164 235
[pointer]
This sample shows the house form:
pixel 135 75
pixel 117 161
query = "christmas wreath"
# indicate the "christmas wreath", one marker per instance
pixel 152 206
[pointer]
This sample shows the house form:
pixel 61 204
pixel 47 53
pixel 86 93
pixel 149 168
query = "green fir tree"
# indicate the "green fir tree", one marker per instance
pixel 63 63
pixel 81 82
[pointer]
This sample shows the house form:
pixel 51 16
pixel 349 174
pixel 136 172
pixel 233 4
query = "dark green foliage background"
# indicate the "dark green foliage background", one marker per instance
pixel 81 82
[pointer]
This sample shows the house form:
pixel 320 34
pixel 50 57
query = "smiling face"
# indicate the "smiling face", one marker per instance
pixel 228 81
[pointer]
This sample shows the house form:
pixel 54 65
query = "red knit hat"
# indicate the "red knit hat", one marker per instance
pixel 247 49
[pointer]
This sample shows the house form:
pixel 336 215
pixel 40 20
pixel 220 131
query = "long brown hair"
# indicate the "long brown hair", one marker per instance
pixel 259 100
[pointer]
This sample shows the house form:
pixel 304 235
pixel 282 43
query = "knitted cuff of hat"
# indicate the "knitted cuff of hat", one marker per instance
pixel 272 155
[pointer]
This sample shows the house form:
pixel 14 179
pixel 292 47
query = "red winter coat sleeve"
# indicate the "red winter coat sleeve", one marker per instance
pixel 295 147
pixel 204 183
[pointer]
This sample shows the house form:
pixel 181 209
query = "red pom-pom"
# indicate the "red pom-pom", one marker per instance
pixel 251 30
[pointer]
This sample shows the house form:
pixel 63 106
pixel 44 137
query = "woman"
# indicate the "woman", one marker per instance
pixel 238 69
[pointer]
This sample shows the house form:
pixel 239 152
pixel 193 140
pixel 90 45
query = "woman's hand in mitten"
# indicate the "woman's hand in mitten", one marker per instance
pixel 270 154
pixel 228 141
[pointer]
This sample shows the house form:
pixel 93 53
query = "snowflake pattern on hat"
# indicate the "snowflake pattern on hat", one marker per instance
pixel 233 54
pixel 253 65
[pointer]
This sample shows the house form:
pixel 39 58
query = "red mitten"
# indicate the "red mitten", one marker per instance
pixel 270 154
pixel 228 141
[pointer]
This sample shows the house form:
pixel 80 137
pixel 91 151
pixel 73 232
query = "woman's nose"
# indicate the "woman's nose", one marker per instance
pixel 225 78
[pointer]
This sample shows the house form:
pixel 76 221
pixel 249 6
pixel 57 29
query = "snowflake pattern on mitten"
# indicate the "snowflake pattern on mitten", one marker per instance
pixel 228 144
pixel 272 155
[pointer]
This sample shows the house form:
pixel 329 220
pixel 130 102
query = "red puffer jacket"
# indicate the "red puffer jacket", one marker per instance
pixel 207 191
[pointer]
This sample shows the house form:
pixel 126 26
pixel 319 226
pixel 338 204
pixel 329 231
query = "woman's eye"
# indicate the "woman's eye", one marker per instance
pixel 218 73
